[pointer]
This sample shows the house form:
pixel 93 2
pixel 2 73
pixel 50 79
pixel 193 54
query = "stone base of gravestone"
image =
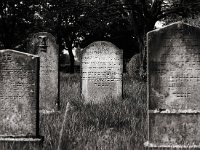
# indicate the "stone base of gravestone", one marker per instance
pixel 174 130
pixel 150 146
pixel 8 143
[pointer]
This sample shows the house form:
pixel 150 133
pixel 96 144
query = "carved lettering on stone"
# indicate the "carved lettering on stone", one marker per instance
pixel 18 93
pixel 174 86
pixel 102 66
pixel 174 68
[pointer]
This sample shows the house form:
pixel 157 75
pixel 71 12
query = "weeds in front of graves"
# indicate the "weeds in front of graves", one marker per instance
pixel 111 125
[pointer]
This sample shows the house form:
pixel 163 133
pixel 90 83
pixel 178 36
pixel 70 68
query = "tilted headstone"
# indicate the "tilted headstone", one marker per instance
pixel 44 45
pixel 174 86
pixel 19 97
pixel 101 72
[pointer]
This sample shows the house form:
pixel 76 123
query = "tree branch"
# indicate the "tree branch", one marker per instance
pixel 171 11
pixel 156 8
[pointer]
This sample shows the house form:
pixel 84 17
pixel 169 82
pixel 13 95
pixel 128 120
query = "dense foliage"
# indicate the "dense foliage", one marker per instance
pixel 80 22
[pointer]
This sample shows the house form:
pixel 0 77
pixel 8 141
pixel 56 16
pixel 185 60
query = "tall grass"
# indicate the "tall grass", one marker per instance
pixel 113 125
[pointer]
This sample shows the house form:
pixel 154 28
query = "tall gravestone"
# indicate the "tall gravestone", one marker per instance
pixel 19 99
pixel 174 87
pixel 101 72
pixel 44 45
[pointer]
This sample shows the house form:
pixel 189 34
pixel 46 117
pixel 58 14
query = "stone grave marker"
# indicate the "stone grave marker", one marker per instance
pixel 101 72
pixel 44 45
pixel 174 87
pixel 19 97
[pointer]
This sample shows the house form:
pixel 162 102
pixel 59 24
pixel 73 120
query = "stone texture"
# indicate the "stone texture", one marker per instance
pixel 173 85
pixel 21 143
pixel 101 69
pixel 174 129
pixel 171 147
pixel 133 67
pixel 44 45
pixel 174 67
pixel 19 95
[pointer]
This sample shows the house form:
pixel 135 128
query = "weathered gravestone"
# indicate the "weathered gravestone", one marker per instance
pixel 101 70
pixel 174 87
pixel 19 98
pixel 44 45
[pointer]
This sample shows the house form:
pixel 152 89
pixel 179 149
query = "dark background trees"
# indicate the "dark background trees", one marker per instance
pixel 14 17
pixel 77 23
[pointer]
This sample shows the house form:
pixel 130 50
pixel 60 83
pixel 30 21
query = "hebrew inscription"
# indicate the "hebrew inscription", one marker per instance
pixel 102 66
pixel 18 93
pixel 173 87
pixel 174 67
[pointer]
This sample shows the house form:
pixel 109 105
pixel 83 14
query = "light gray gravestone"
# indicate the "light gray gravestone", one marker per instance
pixel 44 45
pixel 101 72
pixel 19 99
pixel 174 87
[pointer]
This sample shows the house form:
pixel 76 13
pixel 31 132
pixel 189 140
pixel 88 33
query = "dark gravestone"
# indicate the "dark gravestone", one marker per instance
pixel 101 70
pixel 44 45
pixel 174 86
pixel 19 97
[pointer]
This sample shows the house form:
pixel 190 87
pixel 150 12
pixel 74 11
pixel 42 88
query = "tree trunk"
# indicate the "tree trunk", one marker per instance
pixel 141 39
pixel 71 55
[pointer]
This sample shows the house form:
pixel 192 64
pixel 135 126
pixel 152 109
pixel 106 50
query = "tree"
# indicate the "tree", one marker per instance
pixel 143 14
pixel 66 24
pixel 134 17
pixel 19 18
pixel 80 22
pixel 12 20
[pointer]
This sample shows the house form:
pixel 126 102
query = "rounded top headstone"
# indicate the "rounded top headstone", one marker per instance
pixel 101 72
pixel 101 43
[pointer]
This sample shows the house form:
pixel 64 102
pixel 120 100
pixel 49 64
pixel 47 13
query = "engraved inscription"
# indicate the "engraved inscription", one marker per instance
pixel 101 72
pixel 174 86
pixel 18 80
pixel 174 68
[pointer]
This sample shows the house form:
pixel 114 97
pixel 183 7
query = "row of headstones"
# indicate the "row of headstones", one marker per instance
pixel 30 83
pixel 173 84
pixel 173 76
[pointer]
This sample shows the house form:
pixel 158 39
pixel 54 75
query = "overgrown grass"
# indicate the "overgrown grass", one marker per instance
pixel 113 125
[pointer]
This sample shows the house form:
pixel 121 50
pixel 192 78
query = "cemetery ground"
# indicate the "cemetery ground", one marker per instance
pixel 110 125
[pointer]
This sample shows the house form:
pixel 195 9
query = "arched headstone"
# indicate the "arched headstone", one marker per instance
pixel 101 72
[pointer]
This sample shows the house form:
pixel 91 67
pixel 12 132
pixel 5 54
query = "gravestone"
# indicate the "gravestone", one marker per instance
pixel 174 87
pixel 19 98
pixel 101 72
pixel 44 45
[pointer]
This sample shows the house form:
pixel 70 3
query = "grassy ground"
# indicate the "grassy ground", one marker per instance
pixel 109 126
